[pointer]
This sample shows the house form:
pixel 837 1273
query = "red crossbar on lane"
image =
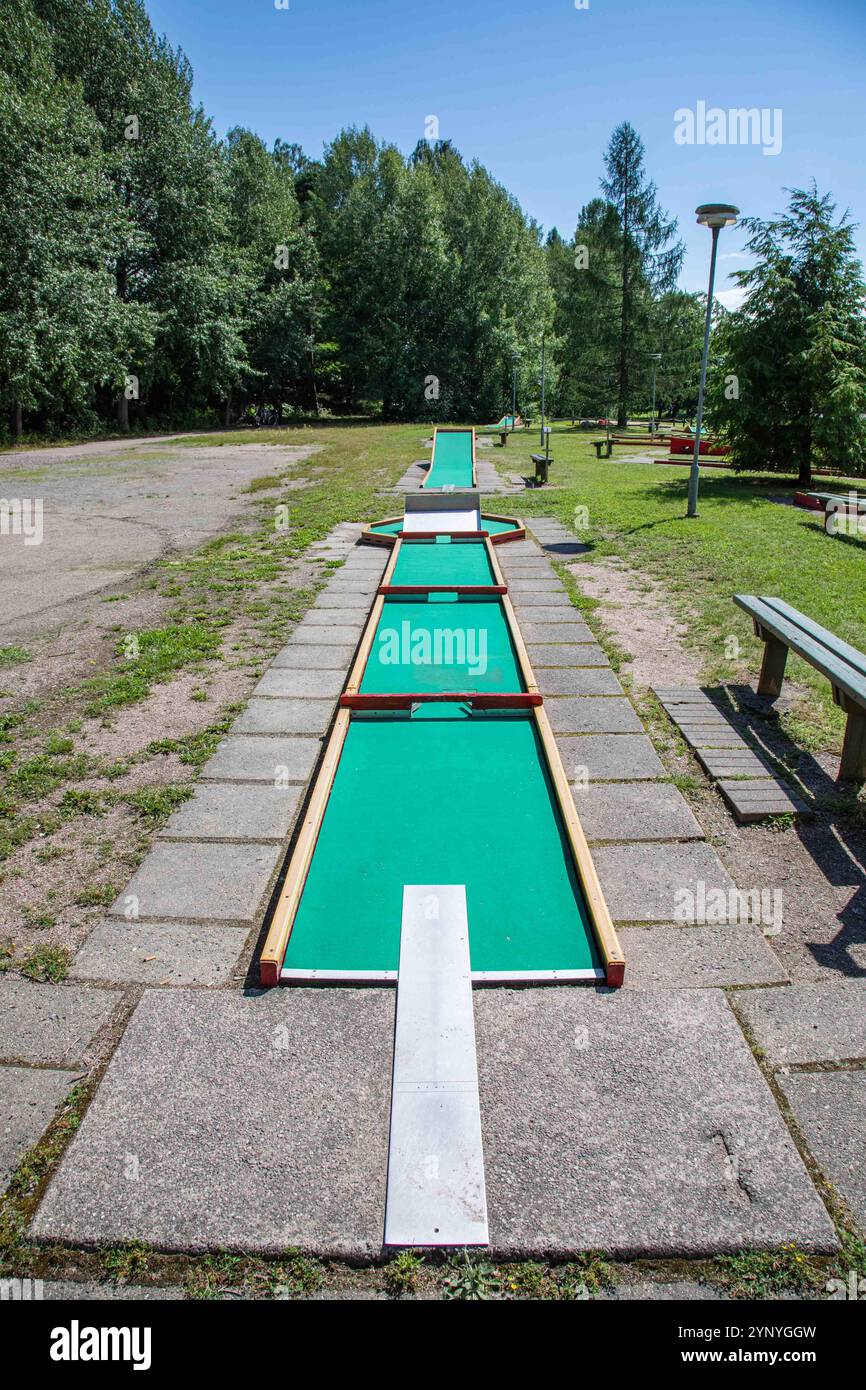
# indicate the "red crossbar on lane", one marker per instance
pixel 518 699
pixel 443 589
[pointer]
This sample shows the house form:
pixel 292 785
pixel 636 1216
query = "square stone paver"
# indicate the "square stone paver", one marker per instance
pixel 592 714
pixel 830 1108
pixel 305 684
pixel 300 656
pixel 574 680
pixel 548 612
pixel 808 1023
pixel 235 812
pixel 697 957
pixel 258 1123
pixel 202 882
pixel 610 758
pixel 571 653
pixel 642 882
pixel 330 617
pixel 635 811
pixel 290 716
pixel 570 629
pixel 244 758
pixel 51 1025
pixel 340 635
pixel 637 1124
pixel 159 953
pixel 29 1097
pixel 358 604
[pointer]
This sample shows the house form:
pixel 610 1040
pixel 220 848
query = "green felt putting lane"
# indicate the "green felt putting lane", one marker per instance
pixel 443 797
pixel 438 644
pixel 452 460
pixel 443 562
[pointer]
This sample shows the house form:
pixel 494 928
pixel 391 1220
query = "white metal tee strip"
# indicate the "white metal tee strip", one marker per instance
pixel 436 1191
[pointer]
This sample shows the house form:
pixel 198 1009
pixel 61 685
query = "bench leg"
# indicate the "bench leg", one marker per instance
pixel 772 668
pixel 853 765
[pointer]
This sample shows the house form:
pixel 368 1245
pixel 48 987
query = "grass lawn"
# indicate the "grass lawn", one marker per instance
pixel 742 542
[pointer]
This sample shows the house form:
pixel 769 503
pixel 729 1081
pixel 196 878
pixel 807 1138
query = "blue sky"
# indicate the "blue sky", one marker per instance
pixel 533 89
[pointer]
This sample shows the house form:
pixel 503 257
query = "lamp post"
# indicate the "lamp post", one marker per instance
pixel 514 361
pixel 715 216
pixel 543 389
pixel 655 357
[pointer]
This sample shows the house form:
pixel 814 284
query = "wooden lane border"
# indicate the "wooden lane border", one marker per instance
pixel 277 940
pixel 451 429
pixel 599 913
pixel 283 920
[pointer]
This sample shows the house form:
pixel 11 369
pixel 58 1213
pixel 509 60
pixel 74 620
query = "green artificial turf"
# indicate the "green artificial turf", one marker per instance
pixel 443 798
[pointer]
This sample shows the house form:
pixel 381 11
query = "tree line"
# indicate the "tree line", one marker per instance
pixel 153 275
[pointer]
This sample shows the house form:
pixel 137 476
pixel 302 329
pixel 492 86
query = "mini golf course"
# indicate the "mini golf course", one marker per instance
pixel 441 773
pixel 441 769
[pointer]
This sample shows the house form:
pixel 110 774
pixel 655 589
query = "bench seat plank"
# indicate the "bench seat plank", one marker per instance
pixel 842 674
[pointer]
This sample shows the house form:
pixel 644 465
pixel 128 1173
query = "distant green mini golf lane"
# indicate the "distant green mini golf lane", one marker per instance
pixel 452 798
pixel 451 465
pixel 443 562
pixel 433 644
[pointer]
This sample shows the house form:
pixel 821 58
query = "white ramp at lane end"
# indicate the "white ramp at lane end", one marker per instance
pixel 436 1193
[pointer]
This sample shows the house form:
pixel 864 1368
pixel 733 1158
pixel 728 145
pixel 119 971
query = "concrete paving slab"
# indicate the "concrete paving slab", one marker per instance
pixel 159 953
pixel 201 882
pixel 571 629
pixel 275 716
pixel 257 1123
pixel 636 1124
pixel 51 1025
pixel 605 758
pixel 564 654
pixel 636 811
pixel 643 882
pixel 29 1097
pixel 592 714
pixel 546 613
pixel 679 957
pixel 340 635
pixel 331 600
pixel 573 680
pixel 830 1108
pixel 300 656
pixel 305 684
pixel 244 758
pixel 530 585
pixel 676 1291
pixel 723 763
pixel 235 812
pixel 808 1023
pixel 342 617
pixel 75 1291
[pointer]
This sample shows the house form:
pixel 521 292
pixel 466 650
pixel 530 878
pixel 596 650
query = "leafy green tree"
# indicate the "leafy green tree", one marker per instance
pixel 167 170
pixel 63 333
pixel 277 264
pixel 789 376
pixel 650 257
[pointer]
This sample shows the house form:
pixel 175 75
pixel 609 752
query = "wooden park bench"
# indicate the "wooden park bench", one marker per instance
pixel 782 629
pixel 603 444
pixel 542 468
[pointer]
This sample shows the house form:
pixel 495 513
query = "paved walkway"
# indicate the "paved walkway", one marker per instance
pixel 635 1122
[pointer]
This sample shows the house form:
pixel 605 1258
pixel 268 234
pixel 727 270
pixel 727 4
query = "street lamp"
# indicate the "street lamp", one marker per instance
pixel 514 361
pixel 655 358
pixel 715 216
